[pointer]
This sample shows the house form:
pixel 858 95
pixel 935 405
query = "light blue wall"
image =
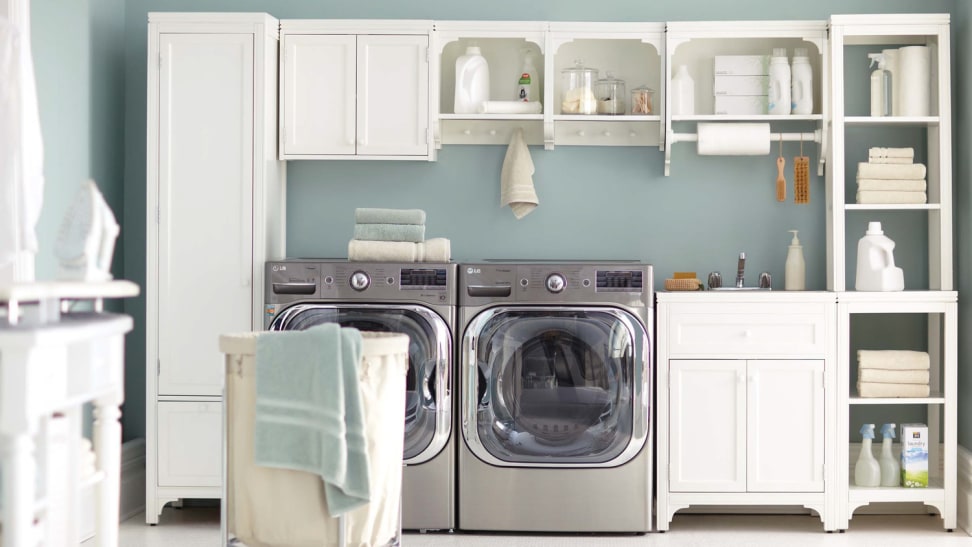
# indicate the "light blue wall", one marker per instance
pixel 594 202
pixel 962 74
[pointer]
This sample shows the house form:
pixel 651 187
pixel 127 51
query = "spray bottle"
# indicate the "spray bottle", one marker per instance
pixel 881 89
pixel 890 468
pixel 867 472
pixel 795 269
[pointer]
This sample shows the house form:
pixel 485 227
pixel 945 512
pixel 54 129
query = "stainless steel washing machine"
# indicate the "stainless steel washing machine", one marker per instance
pixel 555 397
pixel 417 299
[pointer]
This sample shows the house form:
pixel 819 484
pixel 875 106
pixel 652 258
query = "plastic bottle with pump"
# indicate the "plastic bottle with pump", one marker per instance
pixel 472 81
pixel 795 270
pixel 779 83
pixel 867 472
pixel 890 468
pixel 875 262
pixel 881 89
pixel 801 87
pixel 526 84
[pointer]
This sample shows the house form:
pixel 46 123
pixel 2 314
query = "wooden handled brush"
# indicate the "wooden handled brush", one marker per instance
pixel 780 179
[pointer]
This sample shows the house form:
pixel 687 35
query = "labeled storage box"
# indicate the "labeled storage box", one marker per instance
pixel 741 105
pixel 740 85
pixel 914 455
pixel 742 65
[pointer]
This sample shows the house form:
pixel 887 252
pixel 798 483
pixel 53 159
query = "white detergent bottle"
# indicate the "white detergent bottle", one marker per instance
pixel 801 87
pixel 890 468
pixel 527 89
pixel 875 262
pixel 472 81
pixel 867 472
pixel 795 270
pixel 683 92
pixel 880 86
pixel 779 83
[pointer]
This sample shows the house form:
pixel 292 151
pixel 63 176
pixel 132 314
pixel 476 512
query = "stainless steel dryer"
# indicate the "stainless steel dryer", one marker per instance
pixel 555 391
pixel 417 299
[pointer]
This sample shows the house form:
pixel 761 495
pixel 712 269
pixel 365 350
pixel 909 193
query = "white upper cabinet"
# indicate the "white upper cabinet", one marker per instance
pixel 355 90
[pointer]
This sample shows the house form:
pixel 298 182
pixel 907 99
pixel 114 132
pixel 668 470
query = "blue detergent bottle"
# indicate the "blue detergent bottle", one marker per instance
pixel 867 472
pixel 890 468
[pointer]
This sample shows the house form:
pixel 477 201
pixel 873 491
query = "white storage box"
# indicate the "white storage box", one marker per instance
pixel 279 507
pixel 741 105
pixel 740 85
pixel 741 65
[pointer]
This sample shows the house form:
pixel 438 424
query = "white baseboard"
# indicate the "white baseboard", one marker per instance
pixel 132 479
pixel 963 506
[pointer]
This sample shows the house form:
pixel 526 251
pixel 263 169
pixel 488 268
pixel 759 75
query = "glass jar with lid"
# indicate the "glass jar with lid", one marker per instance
pixel 610 95
pixel 578 90
pixel 642 100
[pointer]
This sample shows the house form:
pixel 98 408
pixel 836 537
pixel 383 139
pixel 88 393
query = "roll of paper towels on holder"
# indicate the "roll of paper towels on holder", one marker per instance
pixel 733 139
pixel 914 81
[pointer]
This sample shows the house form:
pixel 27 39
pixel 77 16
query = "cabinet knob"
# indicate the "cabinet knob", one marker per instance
pixel 607 133
pixel 581 133
pixel 466 132
pixel 351 142
pixel 361 142
pixel 492 132
pixel 748 333
pixel 632 134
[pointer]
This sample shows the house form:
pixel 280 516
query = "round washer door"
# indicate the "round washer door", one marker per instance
pixel 560 387
pixel 428 397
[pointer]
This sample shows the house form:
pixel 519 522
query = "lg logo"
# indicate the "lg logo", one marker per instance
pixel 472 270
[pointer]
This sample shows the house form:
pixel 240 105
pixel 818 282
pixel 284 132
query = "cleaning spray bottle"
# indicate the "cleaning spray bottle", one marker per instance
pixel 867 472
pixel 795 270
pixel 880 86
pixel 890 468
pixel 526 84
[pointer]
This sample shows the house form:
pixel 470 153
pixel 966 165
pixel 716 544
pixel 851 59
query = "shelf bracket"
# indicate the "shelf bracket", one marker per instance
pixel 548 135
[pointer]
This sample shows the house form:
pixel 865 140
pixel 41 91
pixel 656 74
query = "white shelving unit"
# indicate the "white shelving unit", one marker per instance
pixel 696 43
pixel 928 295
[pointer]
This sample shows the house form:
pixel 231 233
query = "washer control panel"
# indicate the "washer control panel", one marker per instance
pixel 583 282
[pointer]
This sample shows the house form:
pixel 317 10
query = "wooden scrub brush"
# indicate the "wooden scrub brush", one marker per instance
pixel 801 177
pixel 780 179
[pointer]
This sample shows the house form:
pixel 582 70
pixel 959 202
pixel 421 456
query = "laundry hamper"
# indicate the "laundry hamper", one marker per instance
pixel 270 507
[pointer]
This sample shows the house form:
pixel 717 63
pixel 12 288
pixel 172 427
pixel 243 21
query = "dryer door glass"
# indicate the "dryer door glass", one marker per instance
pixel 428 397
pixel 558 386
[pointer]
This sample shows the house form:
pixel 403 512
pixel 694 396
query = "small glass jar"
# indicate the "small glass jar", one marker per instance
pixel 610 95
pixel 578 90
pixel 642 100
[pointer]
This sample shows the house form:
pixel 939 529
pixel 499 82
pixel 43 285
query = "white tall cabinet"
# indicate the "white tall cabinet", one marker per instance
pixel 214 216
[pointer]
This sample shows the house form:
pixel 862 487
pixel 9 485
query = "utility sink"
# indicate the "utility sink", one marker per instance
pixel 741 289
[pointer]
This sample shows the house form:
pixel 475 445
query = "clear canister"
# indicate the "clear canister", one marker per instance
pixel 610 95
pixel 578 90
pixel 642 100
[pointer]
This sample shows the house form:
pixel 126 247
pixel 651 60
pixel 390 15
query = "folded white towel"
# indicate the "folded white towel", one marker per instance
pixel 893 161
pixel 432 250
pixel 893 376
pixel 912 171
pixel 510 107
pixel 516 179
pixel 888 153
pixel 890 196
pixel 366 215
pixel 893 359
pixel 390 232
pixel 879 389
pixel 905 185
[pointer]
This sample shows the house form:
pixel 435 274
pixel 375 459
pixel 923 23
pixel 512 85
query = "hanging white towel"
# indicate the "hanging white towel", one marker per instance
pixel 516 179
pixel 21 147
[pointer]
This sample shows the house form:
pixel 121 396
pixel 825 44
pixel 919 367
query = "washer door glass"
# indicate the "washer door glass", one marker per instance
pixel 558 385
pixel 428 402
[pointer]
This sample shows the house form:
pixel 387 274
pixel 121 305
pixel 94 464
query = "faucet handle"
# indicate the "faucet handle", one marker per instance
pixel 715 280
pixel 765 281
pixel 741 271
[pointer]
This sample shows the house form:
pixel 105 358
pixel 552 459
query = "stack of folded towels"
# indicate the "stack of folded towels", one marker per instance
pixel 892 373
pixel 890 176
pixel 394 235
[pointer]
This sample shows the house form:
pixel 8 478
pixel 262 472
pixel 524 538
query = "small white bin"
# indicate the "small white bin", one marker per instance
pixel 269 507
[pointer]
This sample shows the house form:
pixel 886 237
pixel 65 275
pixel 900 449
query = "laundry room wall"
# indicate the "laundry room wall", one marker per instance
pixel 595 202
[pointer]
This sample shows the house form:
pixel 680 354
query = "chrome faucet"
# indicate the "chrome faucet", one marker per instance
pixel 741 271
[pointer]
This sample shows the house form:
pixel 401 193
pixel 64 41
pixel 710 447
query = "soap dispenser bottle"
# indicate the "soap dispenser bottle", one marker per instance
pixel 890 468
pixel 795 271
pixel 867 472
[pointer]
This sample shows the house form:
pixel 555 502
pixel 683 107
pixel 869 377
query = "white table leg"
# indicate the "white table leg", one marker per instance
pixel 18 489
pixel 107 443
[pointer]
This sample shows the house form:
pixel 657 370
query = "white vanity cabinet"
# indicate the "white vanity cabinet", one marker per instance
pixel 745 400
pixel 355 90
pixel 214 201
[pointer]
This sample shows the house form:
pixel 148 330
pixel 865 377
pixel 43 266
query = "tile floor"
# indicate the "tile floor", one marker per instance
pixel 199 527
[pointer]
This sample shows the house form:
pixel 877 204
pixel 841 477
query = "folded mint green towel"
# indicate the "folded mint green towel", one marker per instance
pixel 308 410
pixel 390 232
pixel 389 216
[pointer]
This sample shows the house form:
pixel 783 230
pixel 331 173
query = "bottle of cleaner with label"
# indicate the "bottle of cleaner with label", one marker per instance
pixel 867 472
pixel 880 86
pixel 527 88
pixel 472 81
pixel 795 271
pixel 890 468
pixel 801 87
pixel 779 83
pixel 875 262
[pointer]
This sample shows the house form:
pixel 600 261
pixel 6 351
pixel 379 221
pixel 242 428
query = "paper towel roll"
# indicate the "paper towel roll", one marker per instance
pixel 914 81
pixel 733 139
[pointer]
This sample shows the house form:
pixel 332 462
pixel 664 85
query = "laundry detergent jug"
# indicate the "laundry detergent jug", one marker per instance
pixel 875 262
pixel 472 81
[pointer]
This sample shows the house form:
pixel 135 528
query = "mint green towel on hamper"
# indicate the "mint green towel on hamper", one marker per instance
pixel 309 415
pixel 413 233
pixel 367 215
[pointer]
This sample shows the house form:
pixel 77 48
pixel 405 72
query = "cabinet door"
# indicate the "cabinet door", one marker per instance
pixel 205 201
pixel 393 95
pixel 317 94
pixel 190 443
pixel 707 432
pixel 786 426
